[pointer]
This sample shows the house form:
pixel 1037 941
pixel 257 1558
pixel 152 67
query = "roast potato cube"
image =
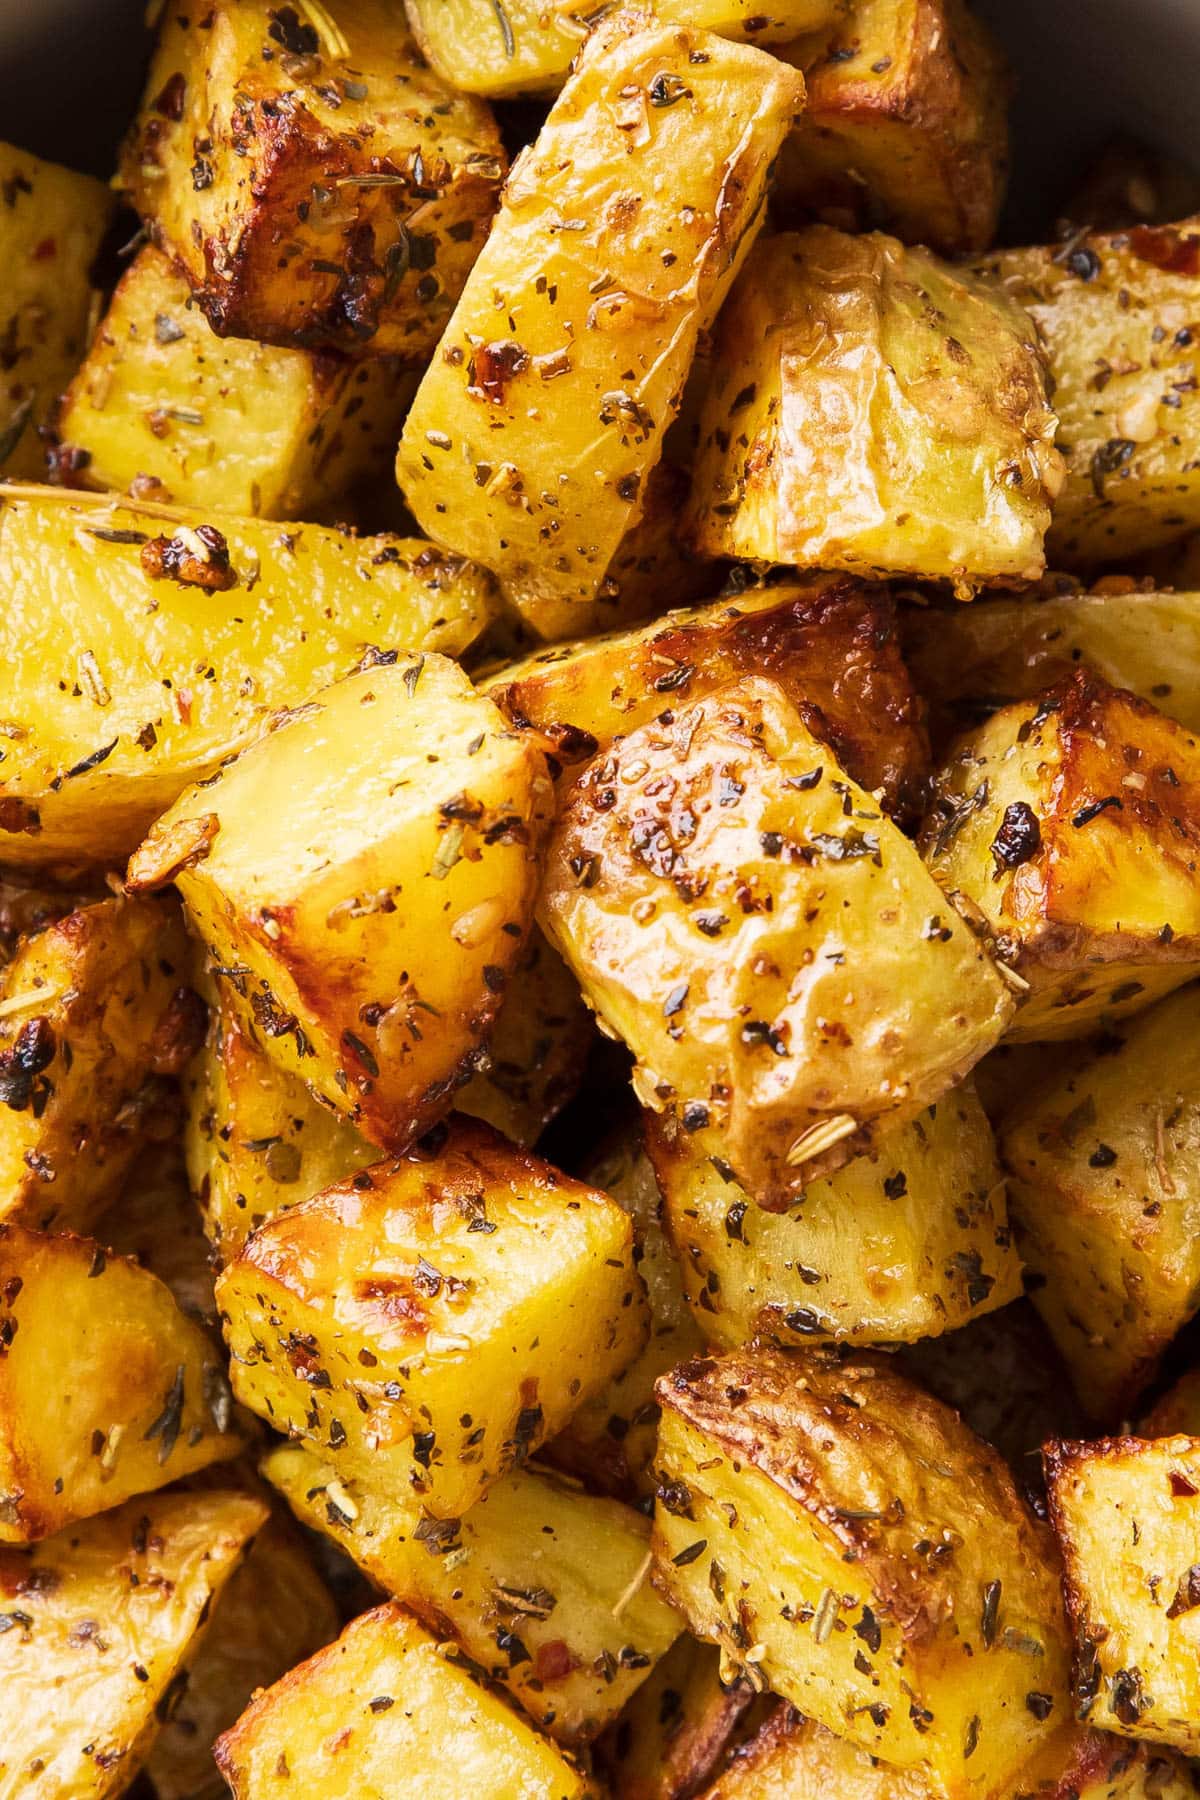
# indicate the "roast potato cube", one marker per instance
pixel 430 1321
pixel 383 1711
pixel 274 1612
pixel 133 667
pixel 545 1588
pixel 363 878
pixel 1097 1765
pixel 537 1050
pixel 316 181
pixel 673 1732
pixel 805 1519
pixel 969 660
pixel 875 410
pixel 610 1439
pixel 156 1223
pixel 906 125
pixel 930 1248
pixel 1127 1515
pixel 51 224
pixel 167 410
pixel 764 939
pixel 829 641
pixel 523 47
pixel 1105 1164
pixel 1116 319
pixel 1067 829
pixel 94 1009
pixel 103 1622
pixel 622 226
pixel 256 1140
pixel 146 1400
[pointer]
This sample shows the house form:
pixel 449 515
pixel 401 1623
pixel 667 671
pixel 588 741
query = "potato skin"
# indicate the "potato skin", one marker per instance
pixel 148 1401
pixel 828 640
pixel 733 905
pixel 1068 829
pixel 537 424
pixel 366 930
pixel 386 1323
pixel 379 189
pixel 51 226
pixel 80 1708
pixel 1125 1512
pixel 912 95
pixel 877 411
pixel 166 410
pixel 674 1731
pixel 441 1736
pixel 1114 320
pixel 797 1492
pixel 100 746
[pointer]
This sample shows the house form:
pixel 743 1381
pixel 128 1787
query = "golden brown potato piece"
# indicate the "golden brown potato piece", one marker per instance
pixel 1116 318
pixel 609 1441
pixel 652 569
pixel 802 1503
pixel 256 1140
pixel 537 1050
pixel 51 224
pixel 94 1010
pixel 146 1399
pixel 156 1223
pixel 875 410
pixel 1177 1412
pixel 101 1624
pixel 317 183
pixel 363 878
pixel 430 1321
pixel 1096 1765
pixel 150 645
pixel 525 47
pixel 1127 1514
pixel 672 1734
pixel 274 1612
pixel 930 1249
pixel 383 1711
pixel 828 640
pixel 544 1587
pixel 1066 829
pixel 1105 1166
pixel 968 661
pixel 25 910
pixel 162 408
pixel 789 978
pixel 906 125
pixel 622 227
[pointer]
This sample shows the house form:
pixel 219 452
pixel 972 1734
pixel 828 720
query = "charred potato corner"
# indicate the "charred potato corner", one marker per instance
pixel 599 923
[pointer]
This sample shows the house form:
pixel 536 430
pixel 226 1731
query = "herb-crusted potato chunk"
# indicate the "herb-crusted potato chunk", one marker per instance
pixel 275 1611
pixel 363 877
pixel 829 641
pixel 906 125
pixel 930 1248
pixel 537 1050
pixel 146 1401
pixel 524 47
pixel 875 410
pixel 969 660
pixel 622 227
pixel 1098 1765
pixel 789 978
pixel 545 1588
pixel 51 224
pixel 1068 828
pixel 804 1511
pixel 1127 1515
pixel 101 1624
pixel 609 1441
pixel 155 1222
pixel 383 1711
pixel 94 1009
pixel 150 644
pixel 673 1732
pixel 1117 322
pixel 165 409
pixel 316 181
pixel 430 1321
pixel 1105 1167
